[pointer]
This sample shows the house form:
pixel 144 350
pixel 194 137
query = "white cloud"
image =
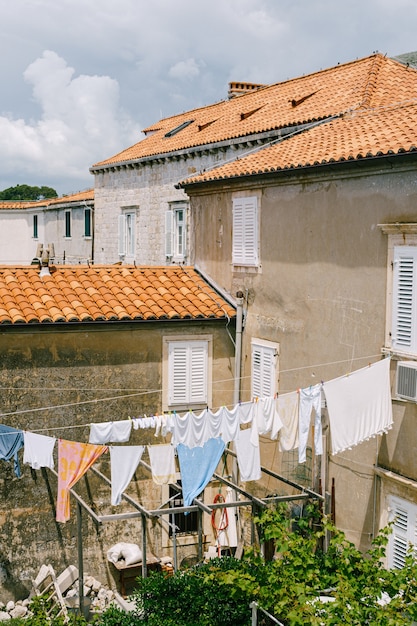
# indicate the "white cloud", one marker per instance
pixel 81 122
pixel 184 69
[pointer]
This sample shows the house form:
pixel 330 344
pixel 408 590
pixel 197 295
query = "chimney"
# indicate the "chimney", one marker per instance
pixel 238 89
pixel 44 255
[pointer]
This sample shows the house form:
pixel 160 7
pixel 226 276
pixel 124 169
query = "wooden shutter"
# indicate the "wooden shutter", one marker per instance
pixel 122 235
pixel 263 370
pixel 169 233
pixel 245 231
pixel 187 371
pixel 404 298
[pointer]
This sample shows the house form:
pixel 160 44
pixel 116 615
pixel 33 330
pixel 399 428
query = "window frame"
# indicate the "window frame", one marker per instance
pixel 190 345
pixel 67 223
pixel 127 234
pixel 35 226
pixel 245 231
pixel 88 222
pixel 176 232
pixel 264 383
pixel 402 240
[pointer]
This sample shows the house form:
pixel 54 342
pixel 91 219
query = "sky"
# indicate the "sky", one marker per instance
pixel 81 79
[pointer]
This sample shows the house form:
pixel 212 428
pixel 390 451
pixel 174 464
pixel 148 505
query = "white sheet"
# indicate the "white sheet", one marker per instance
pixel 359 405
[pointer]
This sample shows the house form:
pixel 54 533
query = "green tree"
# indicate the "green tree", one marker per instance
pixel 26 192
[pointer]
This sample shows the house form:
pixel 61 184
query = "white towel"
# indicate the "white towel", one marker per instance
pixel 310 401
pixel 124 461
pixel 162 460
pixel 359 405
pixel 114 432
pixel 248 456
pixel 287 406
pixel 38 450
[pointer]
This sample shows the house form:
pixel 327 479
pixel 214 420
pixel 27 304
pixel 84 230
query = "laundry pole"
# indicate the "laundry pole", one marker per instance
pixel 238 346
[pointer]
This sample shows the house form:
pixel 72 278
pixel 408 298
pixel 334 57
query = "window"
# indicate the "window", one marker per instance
pixel 403 514
pixel 187 372
pixel 87 222
pixel 175 232
pixel 127 234
pixel 68 224
pixel 245 231
pixel 404 301
pixel 264 368
pixel 401 306
pixel 35 226
pixel 184 523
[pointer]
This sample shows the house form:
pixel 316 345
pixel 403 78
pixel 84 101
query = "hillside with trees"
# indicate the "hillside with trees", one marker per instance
pixel 28 193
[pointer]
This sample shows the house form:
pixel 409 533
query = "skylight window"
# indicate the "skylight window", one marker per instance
pixel 177 129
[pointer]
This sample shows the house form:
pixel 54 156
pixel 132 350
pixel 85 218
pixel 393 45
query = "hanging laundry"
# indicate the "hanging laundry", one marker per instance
pixel 110 432
pixel 197 466
pixel 162 460
pixel 189 429
pixel 38 450
pixel 246 411
pixel 248 455
pixel 123 464
pixel 288 408
pixel 310 400
pixel 359 405
pixel 74 459
pixel 230 420
pixel 11 440
pixel 266 417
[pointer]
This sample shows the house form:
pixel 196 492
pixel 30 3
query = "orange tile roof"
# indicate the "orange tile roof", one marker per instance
pixel 107 293
pixel 357 135
pixel 369 82
pixel 27 204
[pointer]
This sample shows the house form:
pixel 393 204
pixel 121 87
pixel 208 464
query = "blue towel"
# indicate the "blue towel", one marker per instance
pixel 197 466
pixel 11 440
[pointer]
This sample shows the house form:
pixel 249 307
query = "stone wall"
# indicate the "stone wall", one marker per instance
pixel 57 382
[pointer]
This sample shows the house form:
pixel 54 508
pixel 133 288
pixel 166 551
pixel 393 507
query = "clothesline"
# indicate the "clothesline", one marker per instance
pixel 359 407
pixel 149 391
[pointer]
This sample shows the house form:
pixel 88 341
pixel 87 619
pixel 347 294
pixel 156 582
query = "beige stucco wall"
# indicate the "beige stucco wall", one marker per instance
pixel 320 293
pixel 58 381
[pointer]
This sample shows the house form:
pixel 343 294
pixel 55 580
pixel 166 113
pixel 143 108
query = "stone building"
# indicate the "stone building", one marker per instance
pixel 82 345
pixel 319 233
pixel 65 223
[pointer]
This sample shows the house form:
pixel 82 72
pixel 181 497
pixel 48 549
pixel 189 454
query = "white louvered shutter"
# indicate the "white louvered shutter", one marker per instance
pixel 404 336
pixel 198 361
pixel 188 367
pixel 169 233
pixel 178 373
pixel 245 231
pixel 404 516
pixel 263 371
pixel 122 235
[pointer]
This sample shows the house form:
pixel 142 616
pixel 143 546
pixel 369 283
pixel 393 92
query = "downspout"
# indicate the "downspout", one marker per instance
pixel 238 346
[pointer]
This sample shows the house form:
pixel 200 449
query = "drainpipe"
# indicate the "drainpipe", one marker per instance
pixel 238 345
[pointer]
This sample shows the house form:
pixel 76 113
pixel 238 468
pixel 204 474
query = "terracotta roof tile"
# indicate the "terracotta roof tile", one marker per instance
pixel 74 197
pixel 106 293
pixel 361 134
pixel 368 82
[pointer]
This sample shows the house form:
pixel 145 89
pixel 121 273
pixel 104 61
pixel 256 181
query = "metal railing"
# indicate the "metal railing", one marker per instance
pixel 255 607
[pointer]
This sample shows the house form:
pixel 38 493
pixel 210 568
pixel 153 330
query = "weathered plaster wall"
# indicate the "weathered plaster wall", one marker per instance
pixel 320 292
pixel 58 381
